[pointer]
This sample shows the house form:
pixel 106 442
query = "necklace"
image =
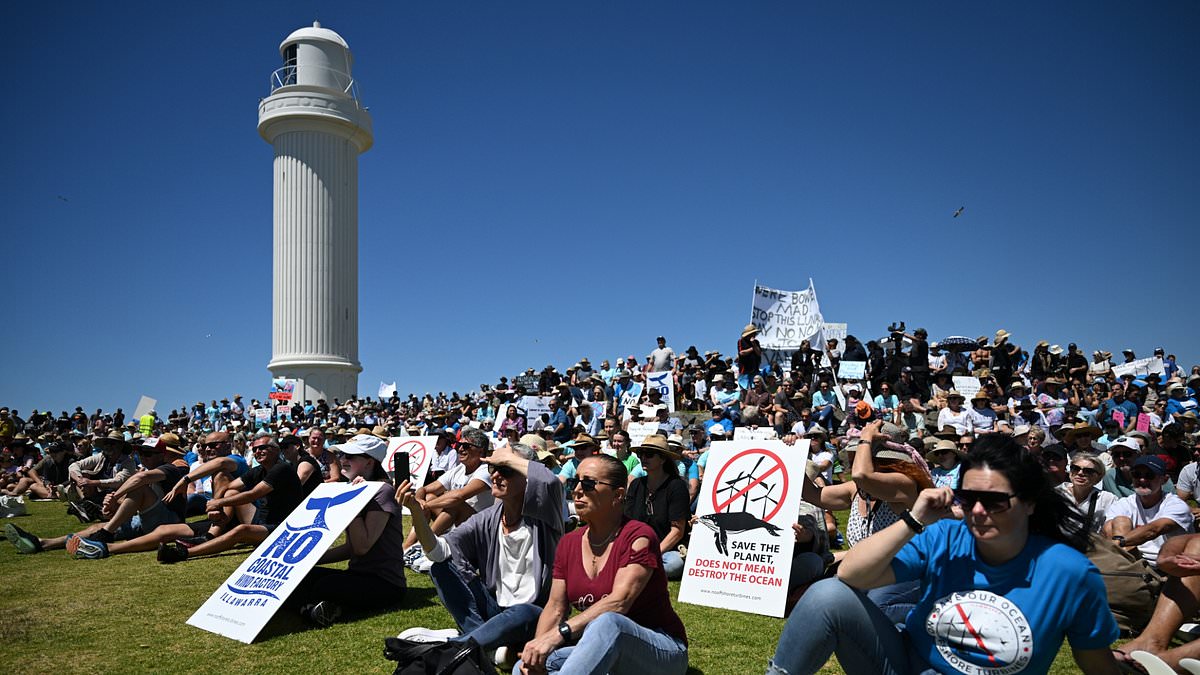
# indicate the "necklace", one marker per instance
pixel 602 546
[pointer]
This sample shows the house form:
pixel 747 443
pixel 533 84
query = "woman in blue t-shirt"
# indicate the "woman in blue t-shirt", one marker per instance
pixel 1001 588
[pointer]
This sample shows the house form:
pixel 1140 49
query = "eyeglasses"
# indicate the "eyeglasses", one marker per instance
pixel 214 446
pixel 589 484
pixel 463 445
pixel 504 471
pixel 1085 470
pixel 646 454
pixel 993 502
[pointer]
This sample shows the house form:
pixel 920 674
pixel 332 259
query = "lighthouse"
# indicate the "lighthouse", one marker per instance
pixel 318 127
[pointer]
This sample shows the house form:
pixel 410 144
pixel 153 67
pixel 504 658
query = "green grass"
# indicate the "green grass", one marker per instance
pixel 128 614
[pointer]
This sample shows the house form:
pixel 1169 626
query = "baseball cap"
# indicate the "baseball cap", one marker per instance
pixel 363 444
pixel 1152 462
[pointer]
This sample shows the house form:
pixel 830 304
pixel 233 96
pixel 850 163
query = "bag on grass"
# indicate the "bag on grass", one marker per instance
pixel 438 658
pixel 12 506
pixel 1132 584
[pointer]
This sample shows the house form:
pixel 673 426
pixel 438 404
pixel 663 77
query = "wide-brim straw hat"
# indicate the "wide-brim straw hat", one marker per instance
pixel 750 329
pixel 658 443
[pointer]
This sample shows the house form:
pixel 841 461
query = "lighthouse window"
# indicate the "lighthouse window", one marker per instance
pixel 289 65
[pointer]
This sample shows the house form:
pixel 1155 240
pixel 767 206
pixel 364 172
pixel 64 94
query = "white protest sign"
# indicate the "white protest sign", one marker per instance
pixel 852 370
pixel 754 434
pixel 785 318
pixel 740 556
pixel 966 385
pixel 254 592
pixel 664 382
pixel 835 331
pixel 282 389
pixel 145 405
pixel 640 431
pixel 1140 367
pixel 631 396
pixel 386 391
pixel 420 451
pixel 535 407
pixel 599 409
pixel 262 414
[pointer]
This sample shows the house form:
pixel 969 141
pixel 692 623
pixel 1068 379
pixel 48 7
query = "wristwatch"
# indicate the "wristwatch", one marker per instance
pixel 1120 539
pixel 912 523
pixel 565 631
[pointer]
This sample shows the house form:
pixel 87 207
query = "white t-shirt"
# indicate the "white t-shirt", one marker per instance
pixel 515 585
pixel 824 456
pixel 1171 507
pixel 948 417
pixel 1103 501
pixel 1188 478
pixel 457 478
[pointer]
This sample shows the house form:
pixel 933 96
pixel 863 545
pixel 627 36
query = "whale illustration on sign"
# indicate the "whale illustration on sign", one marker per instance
pixel 736 522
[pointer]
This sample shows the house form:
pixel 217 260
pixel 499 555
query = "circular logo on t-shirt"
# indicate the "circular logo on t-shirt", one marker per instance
pixel 980 633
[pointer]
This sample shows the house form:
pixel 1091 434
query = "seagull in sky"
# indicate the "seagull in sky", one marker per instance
pixel 62 198
pixel 958 212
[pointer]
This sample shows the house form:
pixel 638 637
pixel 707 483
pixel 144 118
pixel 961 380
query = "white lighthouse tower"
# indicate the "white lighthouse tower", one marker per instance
pixel 314 120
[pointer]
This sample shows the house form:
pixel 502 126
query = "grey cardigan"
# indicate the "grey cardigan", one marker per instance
pixel 475 544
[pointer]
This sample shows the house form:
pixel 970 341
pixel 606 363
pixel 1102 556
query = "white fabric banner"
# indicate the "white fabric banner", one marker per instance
pixel 1140 367
pixel 740 556
pixel 784 318
pixel 664 382
pixel 255 591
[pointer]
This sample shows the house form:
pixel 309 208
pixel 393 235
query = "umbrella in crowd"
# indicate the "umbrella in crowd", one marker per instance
pixel 958 343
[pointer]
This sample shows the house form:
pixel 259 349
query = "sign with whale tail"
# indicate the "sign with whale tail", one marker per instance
pixel 244 603
pixel 740 555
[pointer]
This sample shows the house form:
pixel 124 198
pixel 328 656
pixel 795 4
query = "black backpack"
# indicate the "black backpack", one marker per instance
pixel 437 658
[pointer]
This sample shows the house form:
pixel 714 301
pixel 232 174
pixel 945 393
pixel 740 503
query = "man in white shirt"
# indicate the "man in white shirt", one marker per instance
pixel 1148 517
pixel 662 358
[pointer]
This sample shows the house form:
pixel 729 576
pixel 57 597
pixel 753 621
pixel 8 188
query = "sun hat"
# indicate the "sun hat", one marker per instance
pixel 940 446
pixel 363 444
pixel 657 443
pixel 750 329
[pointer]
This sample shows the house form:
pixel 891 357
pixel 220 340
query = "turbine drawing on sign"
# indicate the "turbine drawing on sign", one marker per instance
pixel 735 486
pixel 766 498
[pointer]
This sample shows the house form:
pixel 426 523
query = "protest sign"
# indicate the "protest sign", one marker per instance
pixel 640 431
pixel 535 407
pixel 145 405
pixel 1140 367
pixel 386 391
pixel 754 434
pixel 785 318
pixel 420 451
pixel 599 409
pixel 262 414
pixel 242 605
pixel 664 382
pixel 284 410
pixel 835 331
pixel 631 396
pixel 966 385
pixel 529 382
pixel 852 370
pixel 740 554
pixel 282 389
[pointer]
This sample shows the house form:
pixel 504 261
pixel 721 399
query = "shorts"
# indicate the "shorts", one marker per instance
pixel 146 521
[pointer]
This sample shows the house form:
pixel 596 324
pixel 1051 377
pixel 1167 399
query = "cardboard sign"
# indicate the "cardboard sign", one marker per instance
pixel 1140 367
pixel 852 370
pixel 420 451
pixel 755 434
pixel 535 407
pixel 386 391
pixel 835 331
pixel 282 389
pixel 966 385
pixel 530 382
pixel 740 556
pixel 145 405
pixel 262 415
pixel 664 382
pixel 785 318
pixel 242 605
pixel 631 396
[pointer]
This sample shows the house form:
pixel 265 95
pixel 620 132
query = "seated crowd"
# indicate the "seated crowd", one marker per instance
pixel 557 506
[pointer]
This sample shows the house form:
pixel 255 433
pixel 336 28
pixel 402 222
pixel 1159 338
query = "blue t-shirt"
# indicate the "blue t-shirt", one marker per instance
pixel 979 619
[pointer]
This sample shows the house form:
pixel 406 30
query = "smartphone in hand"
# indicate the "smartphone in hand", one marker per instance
pixel 400 469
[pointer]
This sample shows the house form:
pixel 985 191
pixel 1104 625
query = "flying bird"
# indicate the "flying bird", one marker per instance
pixel 62 198
pixel 958 212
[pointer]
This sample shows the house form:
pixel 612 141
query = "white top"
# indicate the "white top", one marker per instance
pixel 457 478
pixel 1187 479
pixel 824 457
pixel 1103 501
pixel 1171 507
pixel 959 421
pixel 515 585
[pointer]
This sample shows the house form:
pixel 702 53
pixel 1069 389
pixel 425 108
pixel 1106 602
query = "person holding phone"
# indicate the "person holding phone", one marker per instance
pixel 493 572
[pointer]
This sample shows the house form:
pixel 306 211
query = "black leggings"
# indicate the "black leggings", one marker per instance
pixel 352 591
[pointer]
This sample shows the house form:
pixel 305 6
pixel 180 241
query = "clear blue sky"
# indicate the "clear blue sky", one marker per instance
pixel 565 179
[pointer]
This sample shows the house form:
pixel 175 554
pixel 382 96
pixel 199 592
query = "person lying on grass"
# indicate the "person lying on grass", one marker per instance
pixel 135 508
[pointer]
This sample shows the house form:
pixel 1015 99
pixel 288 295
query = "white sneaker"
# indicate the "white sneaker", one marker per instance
pixel 504 658
pixel 422 565
pixel 420 634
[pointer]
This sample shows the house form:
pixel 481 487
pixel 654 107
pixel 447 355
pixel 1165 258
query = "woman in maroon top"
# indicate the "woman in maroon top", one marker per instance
pixel 611 573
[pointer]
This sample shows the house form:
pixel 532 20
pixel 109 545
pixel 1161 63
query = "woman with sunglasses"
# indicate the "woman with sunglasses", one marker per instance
pixel 1001 588
pixel 611 572
pixel 1086 470
pixel 660 499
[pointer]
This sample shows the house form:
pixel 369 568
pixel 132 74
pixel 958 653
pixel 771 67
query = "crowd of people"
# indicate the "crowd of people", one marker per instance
pixel 550 533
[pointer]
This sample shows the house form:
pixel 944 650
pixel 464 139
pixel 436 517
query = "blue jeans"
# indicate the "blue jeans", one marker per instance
pixel 896 600
pixel 673 565
pixel 476 612
pixel 825 416
pixel 613 643
pixel 833 618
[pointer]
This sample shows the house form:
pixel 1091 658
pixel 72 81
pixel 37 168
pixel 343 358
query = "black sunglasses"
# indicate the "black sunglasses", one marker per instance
pixel 646 454
pixel 504 471
pixel 993 502
pixel 213 446
pixel 1085 470
pixel 589 484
